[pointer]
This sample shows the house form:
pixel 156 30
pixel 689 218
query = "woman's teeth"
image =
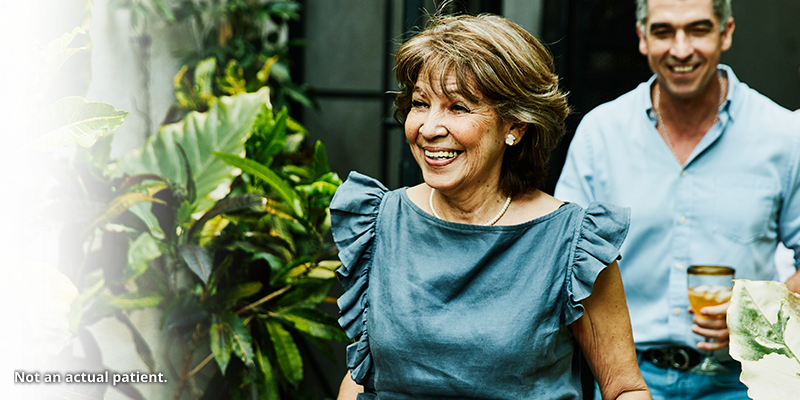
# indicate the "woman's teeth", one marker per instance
pixel 680 70
pixel 440 155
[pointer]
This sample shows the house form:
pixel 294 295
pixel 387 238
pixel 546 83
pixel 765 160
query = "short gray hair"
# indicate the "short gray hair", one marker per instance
pixel 722 9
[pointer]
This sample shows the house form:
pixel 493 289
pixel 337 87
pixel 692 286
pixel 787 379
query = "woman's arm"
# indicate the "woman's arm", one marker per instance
pixel 349 390
pixel 604 334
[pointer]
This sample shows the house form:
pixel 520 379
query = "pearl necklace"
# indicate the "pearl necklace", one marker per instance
pixel 492 222
pixel 665 134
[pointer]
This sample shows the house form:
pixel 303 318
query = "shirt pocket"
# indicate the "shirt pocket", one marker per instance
pixel 744 206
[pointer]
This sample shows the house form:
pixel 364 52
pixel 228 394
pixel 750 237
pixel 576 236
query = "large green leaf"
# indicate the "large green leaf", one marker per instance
pixel 204 76
pixel 224 127
pixel 22 94
pixel 43 295
pixel 272 134
pixel 197 259
pixel 132 300
pixel 240 291
pixel 280 186
pixel 314 322
pixel 286 352
pixel 73 120
pixel 270 390
pixel 229 205
pixel 142 251
pixel 240 338
pixel 121 204
pixel 221 345
pixel 764 323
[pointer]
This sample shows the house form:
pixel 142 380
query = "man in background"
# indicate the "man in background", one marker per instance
pixel 711 171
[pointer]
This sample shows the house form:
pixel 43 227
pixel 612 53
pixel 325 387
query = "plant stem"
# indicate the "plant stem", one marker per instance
pixel 201 365
pixel 264 299
pixel 184 376
pixel 187 363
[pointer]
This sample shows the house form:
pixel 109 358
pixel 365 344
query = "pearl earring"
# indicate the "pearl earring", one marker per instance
pixel 510 139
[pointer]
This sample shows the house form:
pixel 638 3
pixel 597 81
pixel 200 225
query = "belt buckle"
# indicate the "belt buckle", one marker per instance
pixel 668 357
pixel 661 358
pixel 680 359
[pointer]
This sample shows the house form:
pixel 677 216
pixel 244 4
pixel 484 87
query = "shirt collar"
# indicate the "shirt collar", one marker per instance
pixel 724 110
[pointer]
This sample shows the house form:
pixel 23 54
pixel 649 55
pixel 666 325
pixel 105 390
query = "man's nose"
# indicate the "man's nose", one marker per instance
pixel 682 47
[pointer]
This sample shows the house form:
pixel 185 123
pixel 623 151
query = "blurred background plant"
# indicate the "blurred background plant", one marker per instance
pixel 219 222
pixel 244 37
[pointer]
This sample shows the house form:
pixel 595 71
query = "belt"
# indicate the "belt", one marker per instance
pixel 680 358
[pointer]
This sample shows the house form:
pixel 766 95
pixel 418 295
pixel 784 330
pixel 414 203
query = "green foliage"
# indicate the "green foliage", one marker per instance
pixel 247 39
pixel 227 195
pixel 764 323
pixel 224 127
pixel 221 221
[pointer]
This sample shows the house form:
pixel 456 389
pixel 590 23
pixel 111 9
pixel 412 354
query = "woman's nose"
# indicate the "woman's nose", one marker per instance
pixel 433 125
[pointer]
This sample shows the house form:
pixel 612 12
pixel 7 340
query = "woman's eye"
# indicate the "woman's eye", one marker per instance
pixel 459 108
pixel 417 104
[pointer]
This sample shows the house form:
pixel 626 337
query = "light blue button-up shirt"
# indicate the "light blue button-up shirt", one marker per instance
pixel 737 196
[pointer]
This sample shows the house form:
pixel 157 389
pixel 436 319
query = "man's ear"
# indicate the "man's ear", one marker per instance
pixel 727 36
pixel 642 38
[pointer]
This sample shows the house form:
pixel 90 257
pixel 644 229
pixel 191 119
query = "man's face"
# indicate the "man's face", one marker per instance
pixel 683 42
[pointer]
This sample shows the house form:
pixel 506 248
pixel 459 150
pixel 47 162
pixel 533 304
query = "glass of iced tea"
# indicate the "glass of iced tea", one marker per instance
pixel 709 285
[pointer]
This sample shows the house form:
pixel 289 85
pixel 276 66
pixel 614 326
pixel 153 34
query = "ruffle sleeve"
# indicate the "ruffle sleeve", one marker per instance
pixel 597 241
pixel 354 211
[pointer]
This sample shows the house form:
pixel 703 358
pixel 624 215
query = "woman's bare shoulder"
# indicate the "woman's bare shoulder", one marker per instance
pixel 419 195
pixel 530 206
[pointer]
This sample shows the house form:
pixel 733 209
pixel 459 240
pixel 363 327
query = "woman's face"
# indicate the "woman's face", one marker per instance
pixel 458 144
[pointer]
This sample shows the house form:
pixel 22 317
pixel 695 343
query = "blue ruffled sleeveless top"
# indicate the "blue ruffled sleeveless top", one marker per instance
pixel 443 310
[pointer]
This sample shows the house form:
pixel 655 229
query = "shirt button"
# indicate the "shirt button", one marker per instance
pixel 679 266
pixel 681 220
pixel 676 311
pixel 683 173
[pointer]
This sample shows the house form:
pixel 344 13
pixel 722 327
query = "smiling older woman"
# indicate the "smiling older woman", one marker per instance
pixel 475 284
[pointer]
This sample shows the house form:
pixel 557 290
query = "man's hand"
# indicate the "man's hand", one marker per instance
pixel 793 283
pixel 712 328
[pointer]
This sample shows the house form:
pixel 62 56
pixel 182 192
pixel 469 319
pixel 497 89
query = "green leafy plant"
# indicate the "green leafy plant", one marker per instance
pixel 221 221
pixel 240 35
pixel 764 322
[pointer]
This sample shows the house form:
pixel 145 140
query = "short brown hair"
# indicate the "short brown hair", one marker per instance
pixel 509 67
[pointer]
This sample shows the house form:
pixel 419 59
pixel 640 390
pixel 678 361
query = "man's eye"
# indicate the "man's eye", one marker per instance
pixel 700 31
